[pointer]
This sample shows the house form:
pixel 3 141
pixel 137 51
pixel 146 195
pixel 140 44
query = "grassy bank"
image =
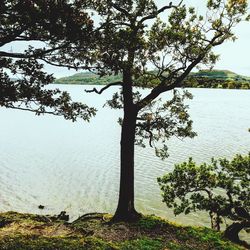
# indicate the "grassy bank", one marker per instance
pixel 94 231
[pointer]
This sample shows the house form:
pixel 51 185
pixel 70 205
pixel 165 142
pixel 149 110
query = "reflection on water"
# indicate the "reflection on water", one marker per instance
pixel 75 166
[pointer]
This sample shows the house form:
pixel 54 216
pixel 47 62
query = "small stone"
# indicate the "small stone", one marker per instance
pixel 122 227
pixel 63 216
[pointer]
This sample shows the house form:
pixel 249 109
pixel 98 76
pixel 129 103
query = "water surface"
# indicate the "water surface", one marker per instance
pixel 75 166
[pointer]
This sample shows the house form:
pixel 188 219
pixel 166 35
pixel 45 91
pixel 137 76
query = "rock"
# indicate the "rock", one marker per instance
pixel 63 216
pixel 41 207
pixel 122 228
pixel 4 222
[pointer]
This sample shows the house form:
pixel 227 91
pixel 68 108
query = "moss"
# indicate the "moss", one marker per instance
pixel 22 242
pixel 177 246
pixel 23 217
pixel 93 243
pixel 205 235
pixel 143 243
pixel 150 222
pixel 96 232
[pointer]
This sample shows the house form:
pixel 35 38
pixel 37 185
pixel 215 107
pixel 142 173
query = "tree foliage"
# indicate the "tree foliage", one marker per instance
pixel 221 188
pixel 132 35
pixel 53 25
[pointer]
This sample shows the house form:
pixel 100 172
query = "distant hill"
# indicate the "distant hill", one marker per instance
pixel 220 75
pixel 224 79
pixel 201 79
pixel 86 78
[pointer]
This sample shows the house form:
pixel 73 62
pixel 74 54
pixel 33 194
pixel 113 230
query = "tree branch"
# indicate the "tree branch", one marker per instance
pixel 33 110
pixel 147 130
pixel 104 88
pixel 150 137
pixel 153 15
pixel 9 38
pixel 62 65
pixel 14 55
pixel 35 54
pixel 122 10
pixel 162 87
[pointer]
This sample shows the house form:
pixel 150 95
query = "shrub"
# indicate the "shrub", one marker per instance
pixel 221 188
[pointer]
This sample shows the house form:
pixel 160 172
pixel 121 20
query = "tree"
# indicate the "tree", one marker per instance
pixel 126 37
pixel 221 188
pixel 53 25
pixel 131 35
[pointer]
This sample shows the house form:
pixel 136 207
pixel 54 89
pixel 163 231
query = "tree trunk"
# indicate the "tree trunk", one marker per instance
pixel 126 210
pixel 215 221
pixel 232 232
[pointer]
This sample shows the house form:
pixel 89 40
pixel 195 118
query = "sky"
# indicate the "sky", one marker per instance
pixel 234 56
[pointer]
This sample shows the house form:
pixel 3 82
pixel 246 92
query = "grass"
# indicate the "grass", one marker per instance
pixel 229 79
pixel 96 232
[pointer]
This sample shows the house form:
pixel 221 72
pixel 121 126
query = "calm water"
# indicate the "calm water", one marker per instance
pixel 75 166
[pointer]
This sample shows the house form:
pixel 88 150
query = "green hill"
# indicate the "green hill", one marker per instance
pixel 201 79
pixel 220 75
pixel 86 78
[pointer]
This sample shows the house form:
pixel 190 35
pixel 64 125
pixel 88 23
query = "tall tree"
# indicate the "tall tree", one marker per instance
pixel 51 25
pixel 130 36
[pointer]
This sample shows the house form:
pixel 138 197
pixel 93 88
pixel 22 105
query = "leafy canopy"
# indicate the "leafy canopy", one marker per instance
pixel 54 26
pixel 132 37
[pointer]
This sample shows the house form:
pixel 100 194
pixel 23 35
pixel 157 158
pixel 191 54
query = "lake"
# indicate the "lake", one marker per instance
pixel 75 166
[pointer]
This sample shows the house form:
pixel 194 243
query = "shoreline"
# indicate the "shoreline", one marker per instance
pixel 95 231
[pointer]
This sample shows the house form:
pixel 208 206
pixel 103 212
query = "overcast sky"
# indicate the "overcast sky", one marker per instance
pixel 234 56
